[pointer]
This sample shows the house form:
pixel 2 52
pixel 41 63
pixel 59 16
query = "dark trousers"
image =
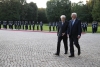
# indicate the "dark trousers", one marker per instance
pixel 49 28
pixel 33 27
pixel 93 30
pixel 64 38
pixel 37 27
pixel 23 27
pixel 30 27
pixel 74 41
pixel 53 28
pixel 41 28
pixel 26 27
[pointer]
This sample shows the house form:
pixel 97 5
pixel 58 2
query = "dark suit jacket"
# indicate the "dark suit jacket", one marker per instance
pixel 62 28
pixel 74 30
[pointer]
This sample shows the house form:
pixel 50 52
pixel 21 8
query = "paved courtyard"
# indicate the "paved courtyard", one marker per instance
pixel 36 49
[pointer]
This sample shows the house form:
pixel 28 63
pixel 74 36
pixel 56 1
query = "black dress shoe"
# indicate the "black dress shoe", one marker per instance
pixel 65 53
pixel 79 53
pixel 71 56
pixel 56 54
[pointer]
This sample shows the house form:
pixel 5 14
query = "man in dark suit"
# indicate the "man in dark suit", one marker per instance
pixel 62 34
pixel 74 33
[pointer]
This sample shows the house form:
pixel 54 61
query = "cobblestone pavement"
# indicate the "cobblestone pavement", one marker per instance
pixel 36 49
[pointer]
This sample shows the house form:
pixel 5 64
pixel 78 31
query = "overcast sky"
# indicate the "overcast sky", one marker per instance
pixel 42 3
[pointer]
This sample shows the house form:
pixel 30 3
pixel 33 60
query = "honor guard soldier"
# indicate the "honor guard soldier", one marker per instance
pixel 0 24
pixel 26 25
pixel 93 27
pixel 5 24
pixel 41 25
pixel 15 23
pixel 50 26
pixel 29 25
pixel 33 25
pixel 53 26
pixel 10 24
pixel 23 23
pixel 18 24
pixel 37 26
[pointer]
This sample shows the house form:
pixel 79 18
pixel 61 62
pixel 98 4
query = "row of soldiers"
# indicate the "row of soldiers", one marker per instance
pixel 25 25
pixel 84 26
pixel 53 25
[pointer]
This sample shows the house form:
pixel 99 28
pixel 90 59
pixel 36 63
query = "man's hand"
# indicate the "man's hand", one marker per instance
pixel 63 34
pixel 79 37
pixel 67 35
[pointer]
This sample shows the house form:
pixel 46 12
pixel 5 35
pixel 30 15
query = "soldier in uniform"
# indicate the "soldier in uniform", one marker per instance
pixel 41 25
pixel 53 26
pixel 93 27
pixel 11 24
pixel 33 24
pixel 5 24
pixel 29 25
pixel 37 26
pixel 23 24
pixel 50 26
pixel 26 25
pixel 15 23
pixel 18 25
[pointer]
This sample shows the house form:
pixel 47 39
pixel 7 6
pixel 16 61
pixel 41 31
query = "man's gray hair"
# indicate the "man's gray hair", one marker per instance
pixel 74 14
pixel 62 16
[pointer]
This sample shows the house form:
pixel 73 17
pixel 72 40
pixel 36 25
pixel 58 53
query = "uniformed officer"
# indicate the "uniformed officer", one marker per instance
pixel 26 25
pixel 93 27
pixel 53 26
pixel 5 24
pixel 50 26
pixel 23 23
pixel 29 25
pixel 41 25
pixel 37 26
pixel 15 23
pixel 33 25
pixel 10 24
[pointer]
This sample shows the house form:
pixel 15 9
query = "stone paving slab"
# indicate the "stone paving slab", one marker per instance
pixel 36 49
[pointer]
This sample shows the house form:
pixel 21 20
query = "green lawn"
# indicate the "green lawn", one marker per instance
pixel 46 28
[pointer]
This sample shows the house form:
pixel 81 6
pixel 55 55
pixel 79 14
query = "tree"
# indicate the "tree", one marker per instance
pixel 96 10
pixel 56 8
pixel 42 15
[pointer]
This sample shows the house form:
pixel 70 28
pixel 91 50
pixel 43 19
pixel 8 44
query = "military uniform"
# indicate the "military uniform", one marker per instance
pixel 26 25
pixel 23 24
pixel 37 26
pixel 29 25
pixel 41 25
pixel 50 26
pixel 53 26
pixel 5 24
pixel 33 25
